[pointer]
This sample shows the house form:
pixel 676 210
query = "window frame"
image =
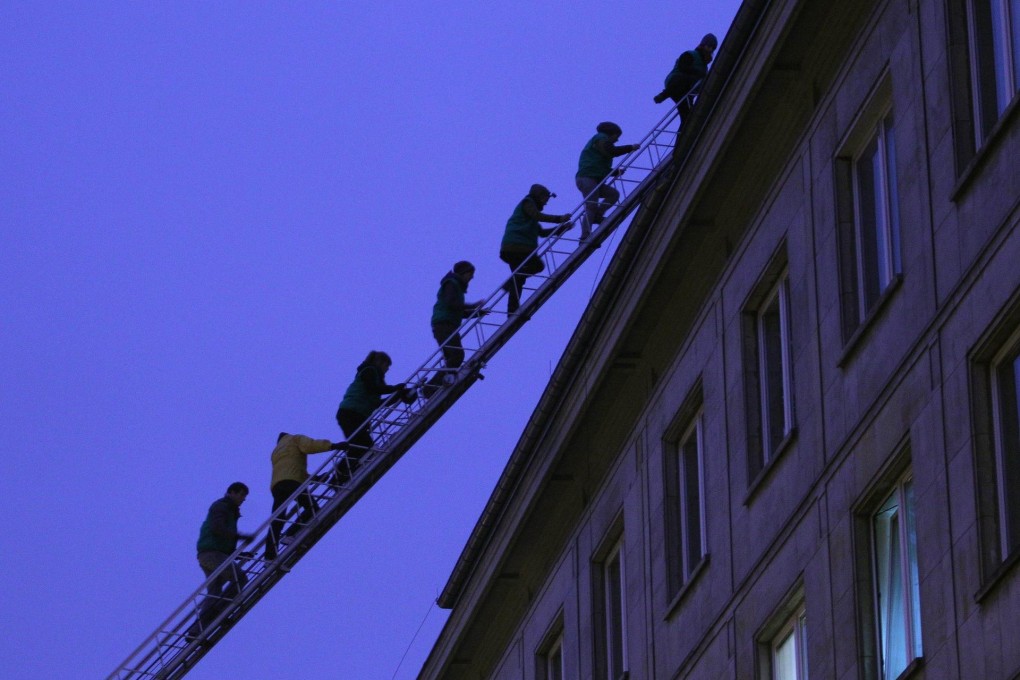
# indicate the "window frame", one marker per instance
pixel 681 566
pixel 610 550
pixel 763 452
pixel 994 63
pixel 996 561
pixel 1007 513
pixel 884 237
pixel 609 634
pixel 866 286
pixel 548 652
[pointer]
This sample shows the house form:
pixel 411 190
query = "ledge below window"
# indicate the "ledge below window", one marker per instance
pixel 993 581
pixel 687 587
pixel 865 326
pixel 999 131
pixel 766 471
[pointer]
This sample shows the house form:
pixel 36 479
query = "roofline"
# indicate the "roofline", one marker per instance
pixel 730 53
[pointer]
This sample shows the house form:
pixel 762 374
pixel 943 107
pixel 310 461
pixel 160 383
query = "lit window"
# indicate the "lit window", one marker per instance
pixel 789 650
pixel 897 599
pixel 995 58
pixel 1006 410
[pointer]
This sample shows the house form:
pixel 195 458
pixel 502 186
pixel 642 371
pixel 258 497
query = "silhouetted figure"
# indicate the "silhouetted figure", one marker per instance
pixel 688 71
pixel 363 396
pixel 595 165
pixel 520 240
pixel 448 313
pixel 290 470
pixel 217 541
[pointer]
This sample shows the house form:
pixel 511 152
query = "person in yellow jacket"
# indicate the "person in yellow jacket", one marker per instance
pixel 290 470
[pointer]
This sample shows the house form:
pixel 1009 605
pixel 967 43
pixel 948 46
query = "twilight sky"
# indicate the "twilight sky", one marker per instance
pixel 209 213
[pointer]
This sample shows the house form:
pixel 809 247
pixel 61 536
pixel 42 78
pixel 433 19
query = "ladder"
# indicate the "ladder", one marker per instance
pixel 183 639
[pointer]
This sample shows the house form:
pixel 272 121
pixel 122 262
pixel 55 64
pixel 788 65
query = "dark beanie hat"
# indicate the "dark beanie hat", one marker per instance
pixel 609 128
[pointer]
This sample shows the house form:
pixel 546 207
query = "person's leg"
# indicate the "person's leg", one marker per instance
pixel 213 602
pixel 359 441
pixel 309 509
pixel 587 186
pixel 450 342
pixel 237 581
pixel 277 524
pixel 609 196
pixel 523 265
pixel 516 282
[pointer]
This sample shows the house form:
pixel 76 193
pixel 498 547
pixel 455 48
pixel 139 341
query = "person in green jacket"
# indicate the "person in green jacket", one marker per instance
pixel 448 313
pixel 593 167
pixel 520 240
pixel 290 470
pixel 363 396
pixel 688 71
pixel 217 541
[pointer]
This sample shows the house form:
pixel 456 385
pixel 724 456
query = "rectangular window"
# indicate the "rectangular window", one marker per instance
pixel 1006 414
pixel 683 477
pixel 615 639
pixel 789 650
pixel 868 213
pixel 896 591
pixel 774 378
pixel 995 58
pixel 767 362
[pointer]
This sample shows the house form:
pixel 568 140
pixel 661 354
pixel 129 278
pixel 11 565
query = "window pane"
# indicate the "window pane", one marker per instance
pixel 614 616
pixel 691 467
pixel 554 663
pixel 774 406
pixel 1008 413
pixel 802 644
pixel 789 658
pixel 867 175
pixel 890 596
pixel 896 580
pixel 913 582
pixel 1004 86
pixel 1014 20
pixel 892 203
pixel 995 34
pixel 784 660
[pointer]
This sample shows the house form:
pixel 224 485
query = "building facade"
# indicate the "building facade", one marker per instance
pixel 784 441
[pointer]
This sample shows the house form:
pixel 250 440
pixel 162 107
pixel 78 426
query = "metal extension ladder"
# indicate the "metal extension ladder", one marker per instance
pixel 182 640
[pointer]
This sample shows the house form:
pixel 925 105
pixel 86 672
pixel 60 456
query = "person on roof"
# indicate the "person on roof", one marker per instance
pixel 520 240
pixel 217 541
pixel 688 71
pixel 448 312
pixel 363 396
pixel 290 470
pixel 594 166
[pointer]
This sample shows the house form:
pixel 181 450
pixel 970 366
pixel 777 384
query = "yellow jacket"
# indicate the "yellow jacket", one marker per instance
pixel 290 457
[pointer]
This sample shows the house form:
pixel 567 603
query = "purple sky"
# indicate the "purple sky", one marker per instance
pixel 209 214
